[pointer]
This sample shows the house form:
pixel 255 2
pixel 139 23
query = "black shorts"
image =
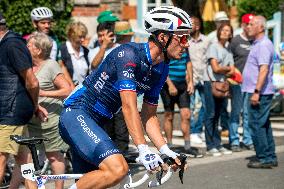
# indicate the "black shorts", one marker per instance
pixel 182 99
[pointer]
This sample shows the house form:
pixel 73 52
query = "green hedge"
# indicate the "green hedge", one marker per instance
pixel 262 7
pixel 17 14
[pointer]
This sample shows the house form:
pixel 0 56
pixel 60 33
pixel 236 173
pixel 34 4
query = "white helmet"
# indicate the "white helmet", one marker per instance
pixel 41 13
pixel 167 18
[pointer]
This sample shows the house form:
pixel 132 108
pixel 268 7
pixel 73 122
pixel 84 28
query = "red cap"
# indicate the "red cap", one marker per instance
pixel 247 17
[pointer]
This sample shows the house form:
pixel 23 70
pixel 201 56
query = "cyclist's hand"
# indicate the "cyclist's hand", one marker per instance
pixel 165 150
pixel 149 159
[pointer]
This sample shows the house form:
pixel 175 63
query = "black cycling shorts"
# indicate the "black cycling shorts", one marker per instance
pixel 182 99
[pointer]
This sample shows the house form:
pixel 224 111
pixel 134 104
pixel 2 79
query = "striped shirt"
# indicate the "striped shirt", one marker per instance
pixel 177 68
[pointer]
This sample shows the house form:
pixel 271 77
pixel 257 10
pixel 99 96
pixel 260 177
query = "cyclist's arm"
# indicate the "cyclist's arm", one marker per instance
pixel 132 117
pixel 152 125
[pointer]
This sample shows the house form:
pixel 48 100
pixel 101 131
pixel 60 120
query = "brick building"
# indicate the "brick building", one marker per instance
pixel 87 11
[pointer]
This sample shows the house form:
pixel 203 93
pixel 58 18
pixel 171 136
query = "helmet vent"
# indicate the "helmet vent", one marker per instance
pixel 147 25
pixel 169 12
pixel 185 17
pixel 164 20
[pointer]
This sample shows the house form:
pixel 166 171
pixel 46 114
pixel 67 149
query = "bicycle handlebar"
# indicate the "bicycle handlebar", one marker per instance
pixel 159 175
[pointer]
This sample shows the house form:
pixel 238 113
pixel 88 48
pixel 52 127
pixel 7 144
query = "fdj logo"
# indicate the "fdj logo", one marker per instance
pixel 101 82
pixel 150 157
pixel 128 74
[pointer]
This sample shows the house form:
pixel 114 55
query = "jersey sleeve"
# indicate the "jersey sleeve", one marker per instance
pixel 152 96
pixel 126 66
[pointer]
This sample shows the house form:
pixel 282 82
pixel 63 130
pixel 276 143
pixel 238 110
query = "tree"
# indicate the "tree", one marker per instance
pixel 17 14
pixel 265 8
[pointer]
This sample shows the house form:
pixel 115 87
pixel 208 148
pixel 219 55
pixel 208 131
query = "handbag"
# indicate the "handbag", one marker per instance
pixel 220 89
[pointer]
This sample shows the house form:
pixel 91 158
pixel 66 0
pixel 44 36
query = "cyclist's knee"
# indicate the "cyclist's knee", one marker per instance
pixel 115 168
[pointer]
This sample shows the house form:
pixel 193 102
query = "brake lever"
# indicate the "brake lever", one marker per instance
pixel 159 174
pixel 182 159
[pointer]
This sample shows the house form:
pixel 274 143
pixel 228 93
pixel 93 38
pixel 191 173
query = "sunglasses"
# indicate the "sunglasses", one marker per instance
pixel 183 39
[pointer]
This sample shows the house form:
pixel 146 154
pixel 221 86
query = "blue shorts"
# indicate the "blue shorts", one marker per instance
pixel 89 143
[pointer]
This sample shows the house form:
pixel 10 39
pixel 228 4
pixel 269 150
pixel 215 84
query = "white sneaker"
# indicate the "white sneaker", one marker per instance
pixel 225 151
pixel 214 152
pixel 194 138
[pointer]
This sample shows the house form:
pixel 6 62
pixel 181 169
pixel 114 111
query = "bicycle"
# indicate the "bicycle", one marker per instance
pixel 32 171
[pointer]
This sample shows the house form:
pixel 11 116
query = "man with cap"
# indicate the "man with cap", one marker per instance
pixel 106 39
pixel 18 98
pixel 105 16
pixel 240 47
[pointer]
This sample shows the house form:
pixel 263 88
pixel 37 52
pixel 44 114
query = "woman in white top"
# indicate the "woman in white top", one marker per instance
pixel 74 56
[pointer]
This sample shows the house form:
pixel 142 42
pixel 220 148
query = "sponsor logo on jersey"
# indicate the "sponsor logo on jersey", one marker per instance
pixel 101 82
pixel 120 54
pixel 130 64
pixel 146 78
pixel 108 152
pixel 143 86
pixel 144 64
pixel 127 86
pixel 87 130
pixel 129 74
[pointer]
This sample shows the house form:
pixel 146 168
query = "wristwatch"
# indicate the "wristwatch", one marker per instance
pixel 256 91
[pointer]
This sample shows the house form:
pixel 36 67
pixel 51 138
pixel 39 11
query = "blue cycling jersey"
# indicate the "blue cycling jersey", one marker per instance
pixel 128 67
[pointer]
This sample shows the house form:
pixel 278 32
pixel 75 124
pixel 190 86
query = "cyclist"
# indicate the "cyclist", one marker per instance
pixel 128 71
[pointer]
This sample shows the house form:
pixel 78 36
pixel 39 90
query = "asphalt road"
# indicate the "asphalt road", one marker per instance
pixel 225 172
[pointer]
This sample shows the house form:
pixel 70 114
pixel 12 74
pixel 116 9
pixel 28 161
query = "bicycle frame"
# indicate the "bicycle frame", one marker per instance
pixel 28 172
pixel 32 171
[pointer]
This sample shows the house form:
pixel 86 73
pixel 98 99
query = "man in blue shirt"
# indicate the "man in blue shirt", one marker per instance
pixel 128 71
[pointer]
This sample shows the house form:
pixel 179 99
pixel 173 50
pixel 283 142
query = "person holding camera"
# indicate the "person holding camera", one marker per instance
pixel 106 41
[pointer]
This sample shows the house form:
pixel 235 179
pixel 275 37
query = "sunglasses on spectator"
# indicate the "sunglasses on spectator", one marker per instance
pixel 183 39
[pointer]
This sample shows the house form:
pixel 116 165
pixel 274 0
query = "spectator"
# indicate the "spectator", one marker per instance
pixel 220 65
pixel 116 127
pixel 240 47
pixel 176 90
pixel 53 88
pixel 74 56
pixel 106 40
pixel 197 52
pixel 42 18
pixel 104 17
pixel 257 84
pixel 219 19
pixel 18 102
